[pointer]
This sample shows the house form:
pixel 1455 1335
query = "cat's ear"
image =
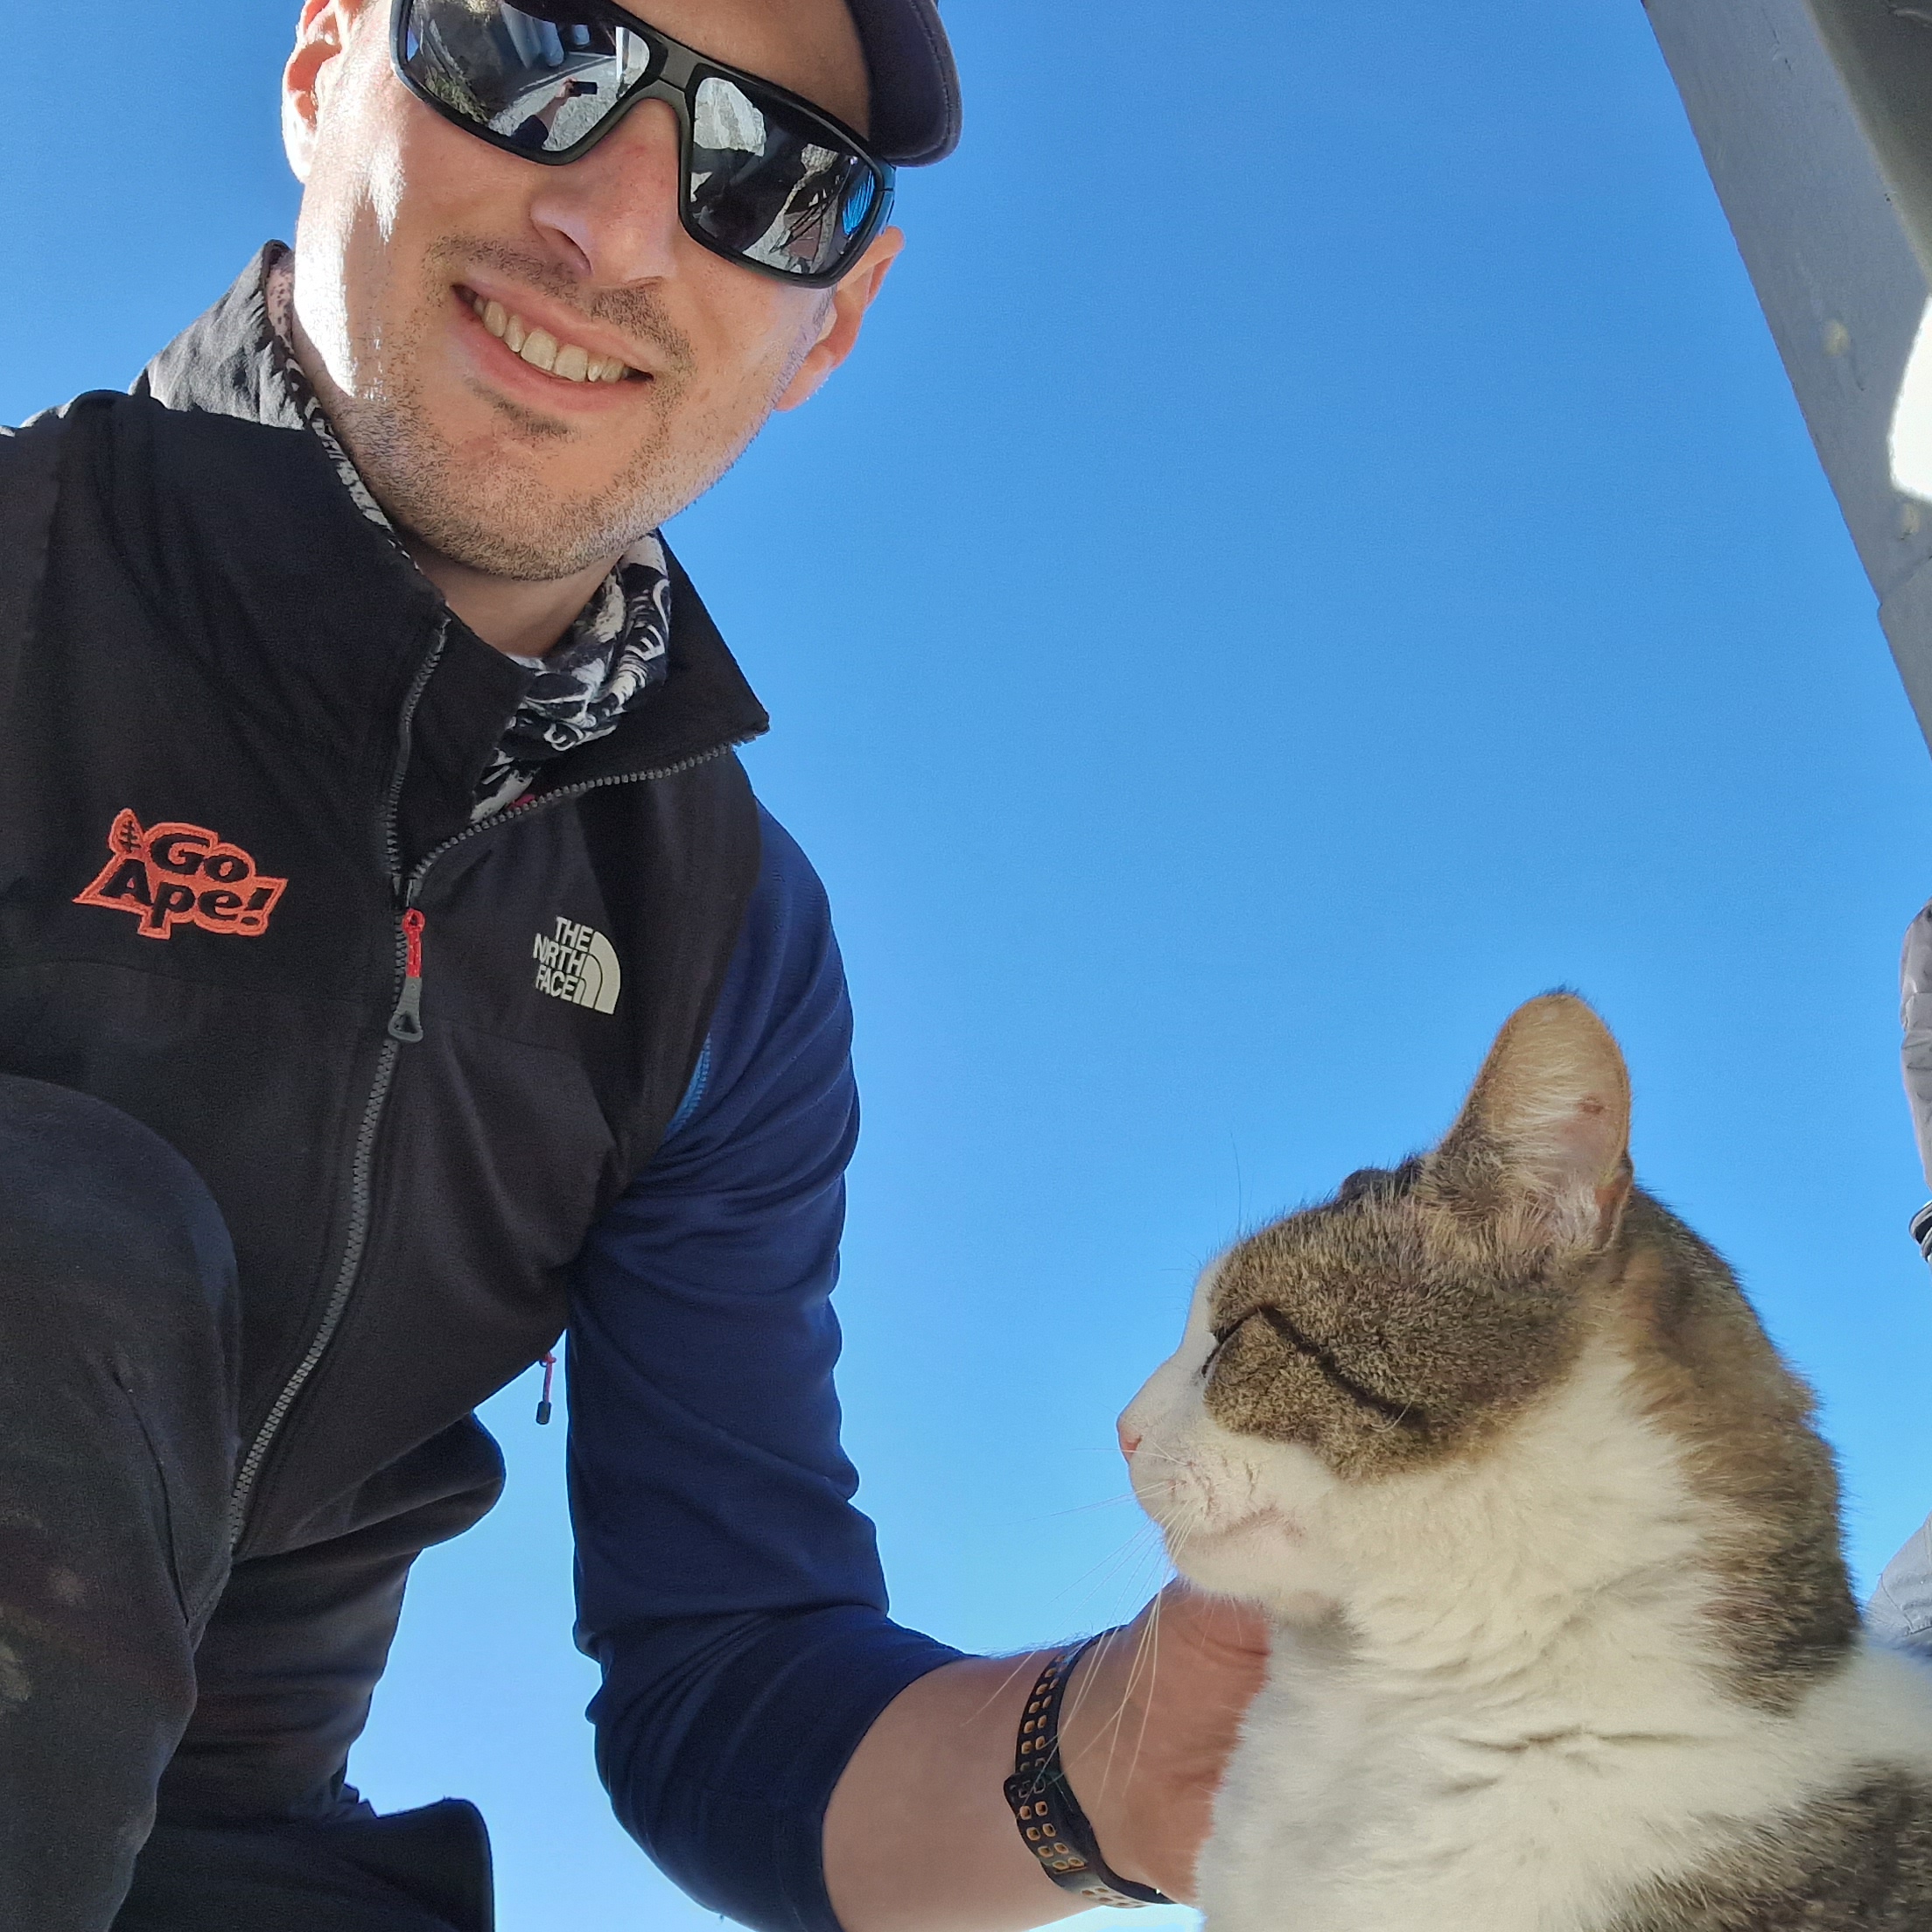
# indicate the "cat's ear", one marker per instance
pixel 1543 1139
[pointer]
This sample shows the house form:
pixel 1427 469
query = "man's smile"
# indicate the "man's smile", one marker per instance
pixel 540 353
pixel 567 361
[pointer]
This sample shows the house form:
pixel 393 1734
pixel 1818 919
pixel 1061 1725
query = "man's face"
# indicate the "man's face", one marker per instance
pixel 407 224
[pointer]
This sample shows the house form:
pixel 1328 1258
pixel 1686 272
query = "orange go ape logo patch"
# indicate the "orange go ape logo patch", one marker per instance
pixel 182 875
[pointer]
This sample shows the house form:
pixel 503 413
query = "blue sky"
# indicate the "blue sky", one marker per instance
pixel 1315 549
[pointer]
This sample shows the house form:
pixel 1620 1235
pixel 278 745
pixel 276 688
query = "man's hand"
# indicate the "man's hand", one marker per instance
pixel 1148 1723
pixel 919 1837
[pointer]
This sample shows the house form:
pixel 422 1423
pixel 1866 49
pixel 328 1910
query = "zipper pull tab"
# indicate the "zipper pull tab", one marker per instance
pixel 544 1401
pixel 406 1022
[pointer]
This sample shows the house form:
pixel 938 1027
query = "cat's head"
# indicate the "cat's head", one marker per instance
pixel 1353 1369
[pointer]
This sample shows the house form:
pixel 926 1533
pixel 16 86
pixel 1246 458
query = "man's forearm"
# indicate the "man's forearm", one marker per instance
pixel 918 1836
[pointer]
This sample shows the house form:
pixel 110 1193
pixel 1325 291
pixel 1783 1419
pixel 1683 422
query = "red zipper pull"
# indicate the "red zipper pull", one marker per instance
pixel 544 1401
pixel 406 1022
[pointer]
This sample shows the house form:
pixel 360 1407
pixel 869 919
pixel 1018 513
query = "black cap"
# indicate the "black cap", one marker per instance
pixel 915 86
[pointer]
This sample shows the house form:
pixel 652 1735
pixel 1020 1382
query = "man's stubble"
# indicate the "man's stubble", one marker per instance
pixel 477 505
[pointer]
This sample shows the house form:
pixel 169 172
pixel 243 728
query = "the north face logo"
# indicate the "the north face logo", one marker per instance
pixel 577 964
pixel 182 875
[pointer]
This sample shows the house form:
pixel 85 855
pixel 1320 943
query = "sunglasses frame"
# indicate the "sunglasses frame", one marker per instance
pixel 676 71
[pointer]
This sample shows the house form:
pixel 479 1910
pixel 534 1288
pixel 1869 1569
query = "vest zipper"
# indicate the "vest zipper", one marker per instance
pixel 363 1157
pixel 527 807
pixel 407 1008
pixel 332 1318
pixel 406 1022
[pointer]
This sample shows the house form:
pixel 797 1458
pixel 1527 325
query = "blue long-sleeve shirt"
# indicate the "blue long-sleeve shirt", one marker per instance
pixel 725 1583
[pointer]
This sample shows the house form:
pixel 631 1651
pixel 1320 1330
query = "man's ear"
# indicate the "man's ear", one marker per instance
pixel 321 36
pixel 850 299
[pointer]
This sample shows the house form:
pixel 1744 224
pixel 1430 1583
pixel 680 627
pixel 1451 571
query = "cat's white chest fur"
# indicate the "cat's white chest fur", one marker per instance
pixel 1342 1812
pixel 1512 1733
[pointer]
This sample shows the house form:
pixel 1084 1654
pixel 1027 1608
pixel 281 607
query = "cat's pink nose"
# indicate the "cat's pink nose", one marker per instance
pixel 1130 1438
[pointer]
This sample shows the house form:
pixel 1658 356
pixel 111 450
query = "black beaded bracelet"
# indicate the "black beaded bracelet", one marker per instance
pixel 1048 1815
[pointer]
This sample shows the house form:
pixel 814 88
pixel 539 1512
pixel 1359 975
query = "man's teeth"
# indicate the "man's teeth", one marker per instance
pixel 543 350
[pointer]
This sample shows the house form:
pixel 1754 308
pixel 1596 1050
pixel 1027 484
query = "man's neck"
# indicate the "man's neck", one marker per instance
pixel 522 619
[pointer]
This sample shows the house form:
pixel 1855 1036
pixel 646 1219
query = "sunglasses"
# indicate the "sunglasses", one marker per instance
pixel 765 179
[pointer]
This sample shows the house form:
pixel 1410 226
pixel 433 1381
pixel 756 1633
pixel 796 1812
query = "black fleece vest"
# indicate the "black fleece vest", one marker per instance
pixel 239 739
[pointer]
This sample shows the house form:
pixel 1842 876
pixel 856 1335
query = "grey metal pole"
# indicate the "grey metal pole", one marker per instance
pixel 1815 117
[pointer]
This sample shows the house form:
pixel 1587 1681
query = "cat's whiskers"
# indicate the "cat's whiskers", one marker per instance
pixel 1145 1644
pixel 1105 1502
pixel 1020 1666
pixel 1145 1542
pixel 1144 1549
pixel 1142 1677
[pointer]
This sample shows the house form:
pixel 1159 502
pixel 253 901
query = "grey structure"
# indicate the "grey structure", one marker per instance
pixel 1815 117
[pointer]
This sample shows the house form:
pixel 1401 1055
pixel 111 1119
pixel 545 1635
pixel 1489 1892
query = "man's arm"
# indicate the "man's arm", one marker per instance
pixel 919 1837
pixel 726 1584
pixel 731 1592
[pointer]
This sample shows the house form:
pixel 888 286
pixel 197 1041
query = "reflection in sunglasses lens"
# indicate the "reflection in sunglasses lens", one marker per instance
pixel 763 187
pixel 542 84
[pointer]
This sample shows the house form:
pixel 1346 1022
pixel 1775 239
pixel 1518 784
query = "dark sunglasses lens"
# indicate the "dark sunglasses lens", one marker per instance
pixel 766 185
pixel 542 79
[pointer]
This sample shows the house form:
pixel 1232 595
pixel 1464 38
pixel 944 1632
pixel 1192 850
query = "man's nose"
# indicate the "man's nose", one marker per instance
pixel 617 209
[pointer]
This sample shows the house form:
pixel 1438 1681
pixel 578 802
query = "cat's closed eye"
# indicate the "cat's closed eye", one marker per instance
pixel 1223 1337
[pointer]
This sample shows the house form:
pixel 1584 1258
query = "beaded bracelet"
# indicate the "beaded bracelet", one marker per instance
pixel 1048 1815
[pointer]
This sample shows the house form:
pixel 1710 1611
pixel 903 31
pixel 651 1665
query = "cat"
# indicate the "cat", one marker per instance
pixel 1564 1639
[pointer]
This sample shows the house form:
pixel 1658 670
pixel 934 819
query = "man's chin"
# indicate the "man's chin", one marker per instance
pixel 512 550
pixel 488 512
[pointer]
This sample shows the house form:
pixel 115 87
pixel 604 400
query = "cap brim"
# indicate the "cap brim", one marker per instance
pixel 916 85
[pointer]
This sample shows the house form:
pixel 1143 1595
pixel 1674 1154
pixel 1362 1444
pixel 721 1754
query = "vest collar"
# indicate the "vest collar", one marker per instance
pixel 222 364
